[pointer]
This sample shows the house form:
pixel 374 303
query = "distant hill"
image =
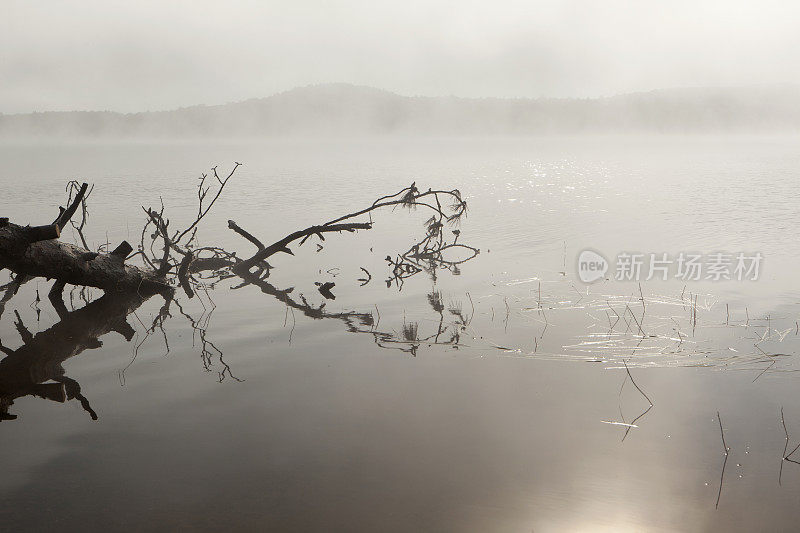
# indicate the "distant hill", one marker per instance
pixel 347 110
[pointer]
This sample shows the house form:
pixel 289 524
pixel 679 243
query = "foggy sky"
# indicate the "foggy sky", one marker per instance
pixel 148 55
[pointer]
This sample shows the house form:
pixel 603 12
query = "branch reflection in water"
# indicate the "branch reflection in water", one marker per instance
pixel 36 367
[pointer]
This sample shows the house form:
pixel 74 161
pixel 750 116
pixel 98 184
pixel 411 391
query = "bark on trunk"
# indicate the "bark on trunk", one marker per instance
pixel 72 264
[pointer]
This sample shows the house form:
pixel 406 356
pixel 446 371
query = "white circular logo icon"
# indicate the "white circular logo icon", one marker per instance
pixel 591 266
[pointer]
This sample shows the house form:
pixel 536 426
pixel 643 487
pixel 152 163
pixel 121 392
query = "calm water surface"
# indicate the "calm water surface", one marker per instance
pixel 526 421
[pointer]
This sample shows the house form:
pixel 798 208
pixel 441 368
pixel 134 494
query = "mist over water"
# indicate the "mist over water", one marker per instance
pixel 574 308
pixel 148 56
pixel 348 111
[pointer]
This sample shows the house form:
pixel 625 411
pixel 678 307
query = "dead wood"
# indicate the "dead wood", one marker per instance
pixel 173 256
pixel 73 264
pixel 33 251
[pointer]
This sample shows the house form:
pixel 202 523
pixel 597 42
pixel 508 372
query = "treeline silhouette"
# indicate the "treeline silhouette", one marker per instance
pixel 341 109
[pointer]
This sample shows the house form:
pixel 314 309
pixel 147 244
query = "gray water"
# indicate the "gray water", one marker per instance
pixel 526 423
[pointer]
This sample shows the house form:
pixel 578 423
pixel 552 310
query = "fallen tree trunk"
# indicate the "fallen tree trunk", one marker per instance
pixel 35 252
pixel 31 252
pixel 174 255
pixel 72 264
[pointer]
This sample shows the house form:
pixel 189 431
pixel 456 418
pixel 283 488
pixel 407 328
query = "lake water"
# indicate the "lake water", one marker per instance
pixel 529 421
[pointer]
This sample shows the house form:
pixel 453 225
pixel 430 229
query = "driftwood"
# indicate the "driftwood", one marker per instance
pixel 172 257
pixel 35 252
pixel 73 264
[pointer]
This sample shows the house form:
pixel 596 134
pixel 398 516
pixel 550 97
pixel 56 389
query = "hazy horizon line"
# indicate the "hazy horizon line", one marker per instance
pixel 753 86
